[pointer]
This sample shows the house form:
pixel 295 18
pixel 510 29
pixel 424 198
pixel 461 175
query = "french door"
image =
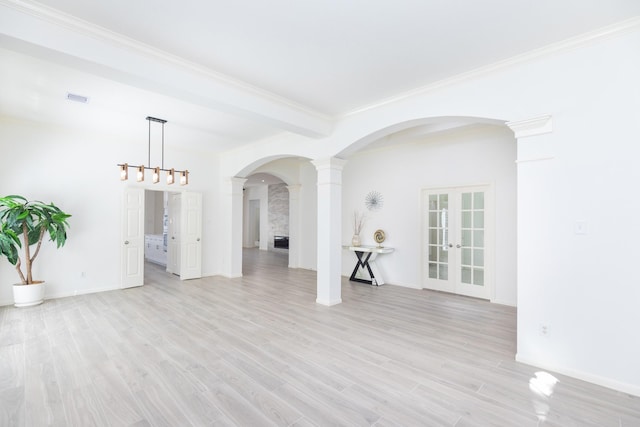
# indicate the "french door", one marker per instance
pixel 458 240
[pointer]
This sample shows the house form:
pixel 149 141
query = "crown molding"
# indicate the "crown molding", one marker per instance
pixel 531 127
pixel 70 22
pixel 613 30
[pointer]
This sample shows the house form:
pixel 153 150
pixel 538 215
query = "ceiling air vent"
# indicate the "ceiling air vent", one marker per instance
pixel 77 98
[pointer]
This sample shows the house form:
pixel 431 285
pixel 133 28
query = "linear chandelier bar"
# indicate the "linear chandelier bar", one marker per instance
pixel 183 175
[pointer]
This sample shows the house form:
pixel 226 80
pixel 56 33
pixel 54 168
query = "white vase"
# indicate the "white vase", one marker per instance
pixel 28 295
pixel 355 240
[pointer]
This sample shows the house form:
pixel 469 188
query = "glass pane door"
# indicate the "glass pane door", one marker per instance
pixel 455 244
pixel 472 238
pixel 437 211
pixel 438 236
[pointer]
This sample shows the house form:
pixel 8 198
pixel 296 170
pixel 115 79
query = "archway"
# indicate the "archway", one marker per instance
pixel 369 138
pixel 400 162
pixel 289 178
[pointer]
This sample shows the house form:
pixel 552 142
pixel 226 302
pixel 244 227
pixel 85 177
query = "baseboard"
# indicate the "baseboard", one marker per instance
pixel 79 292
pixel 231 276
pixel 507 303
pixel 584 376
pixel 329 303
pixel 66 294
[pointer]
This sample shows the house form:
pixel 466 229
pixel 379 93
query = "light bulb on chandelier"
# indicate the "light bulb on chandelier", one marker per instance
pixel 155 177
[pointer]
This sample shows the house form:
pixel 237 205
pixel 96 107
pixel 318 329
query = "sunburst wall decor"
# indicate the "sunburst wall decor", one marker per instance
pixel 373 201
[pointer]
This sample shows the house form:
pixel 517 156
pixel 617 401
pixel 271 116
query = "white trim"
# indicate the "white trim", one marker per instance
pixel 329 303
pixel 329 163
pixel 584 376
pixel 231 276
pixel 77 292
pixel 532 127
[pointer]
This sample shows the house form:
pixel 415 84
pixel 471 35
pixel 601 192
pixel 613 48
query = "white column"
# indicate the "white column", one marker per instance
pixel 537 178
pixel 329 230
pixel 294 225
pixel 231 205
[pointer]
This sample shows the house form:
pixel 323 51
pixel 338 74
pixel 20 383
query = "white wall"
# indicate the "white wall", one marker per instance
pixel 582 286
pixel 261 194
pixel 308 216
pixel 77 171
pixel 482 155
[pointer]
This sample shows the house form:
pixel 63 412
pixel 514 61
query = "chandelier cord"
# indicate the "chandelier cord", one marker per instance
pixel 149 149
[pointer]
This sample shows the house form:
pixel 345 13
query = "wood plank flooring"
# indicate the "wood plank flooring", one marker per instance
pixel 258 351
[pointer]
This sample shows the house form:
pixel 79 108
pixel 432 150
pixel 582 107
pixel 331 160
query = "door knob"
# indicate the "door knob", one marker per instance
pixel 198 239
pixel 126 242
pixel 450 245
pixel 458 246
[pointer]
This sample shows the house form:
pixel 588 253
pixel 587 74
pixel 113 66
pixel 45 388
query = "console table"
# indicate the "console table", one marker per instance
pixel 366 260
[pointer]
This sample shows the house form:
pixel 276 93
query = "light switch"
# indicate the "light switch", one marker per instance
pixel 580 227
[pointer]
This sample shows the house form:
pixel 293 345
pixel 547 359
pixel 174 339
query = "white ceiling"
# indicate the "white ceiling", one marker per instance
pixel 261 178
pixel 323 59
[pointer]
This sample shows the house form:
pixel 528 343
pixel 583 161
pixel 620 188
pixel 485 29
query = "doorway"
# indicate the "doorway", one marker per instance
pixel 156 223
pixel 458 236
pixel 183 223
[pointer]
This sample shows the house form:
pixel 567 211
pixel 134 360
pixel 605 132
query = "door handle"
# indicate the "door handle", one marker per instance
pixel 198 239
pixel 458 246
pixel 126 242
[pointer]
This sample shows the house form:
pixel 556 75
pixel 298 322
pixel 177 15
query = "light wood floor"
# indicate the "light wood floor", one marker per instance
pixel 258 351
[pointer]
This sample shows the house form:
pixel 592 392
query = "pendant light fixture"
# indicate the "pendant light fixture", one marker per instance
pixel 155 177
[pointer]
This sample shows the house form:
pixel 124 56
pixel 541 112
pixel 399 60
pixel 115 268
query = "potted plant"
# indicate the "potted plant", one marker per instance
pixel 23 224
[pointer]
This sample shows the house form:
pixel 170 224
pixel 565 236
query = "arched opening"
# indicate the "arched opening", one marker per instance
pixel 406 162
pixel 399 162
pixel 265 219
pixel 414 129
pixel 278 210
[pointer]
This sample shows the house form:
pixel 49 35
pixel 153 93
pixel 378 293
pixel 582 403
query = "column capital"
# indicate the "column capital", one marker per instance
pixel 294 189
pixel 532 127
pixel 329 163
pixel 235 180
pixel 234 184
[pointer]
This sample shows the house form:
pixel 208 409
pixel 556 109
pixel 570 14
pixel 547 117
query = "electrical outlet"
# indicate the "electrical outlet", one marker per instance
pixel 544 329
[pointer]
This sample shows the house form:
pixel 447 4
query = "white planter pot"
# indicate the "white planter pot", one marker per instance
pixel 28 295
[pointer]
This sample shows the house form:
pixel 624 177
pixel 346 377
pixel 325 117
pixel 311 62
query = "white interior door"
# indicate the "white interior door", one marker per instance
pixel 173 234
pixel 191 236
pixel 132 239
pixel 458 240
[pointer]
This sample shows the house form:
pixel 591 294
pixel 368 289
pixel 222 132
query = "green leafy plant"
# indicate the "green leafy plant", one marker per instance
pixel 31 220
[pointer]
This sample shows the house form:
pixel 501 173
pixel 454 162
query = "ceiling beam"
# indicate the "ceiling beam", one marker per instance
pixel 51 35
